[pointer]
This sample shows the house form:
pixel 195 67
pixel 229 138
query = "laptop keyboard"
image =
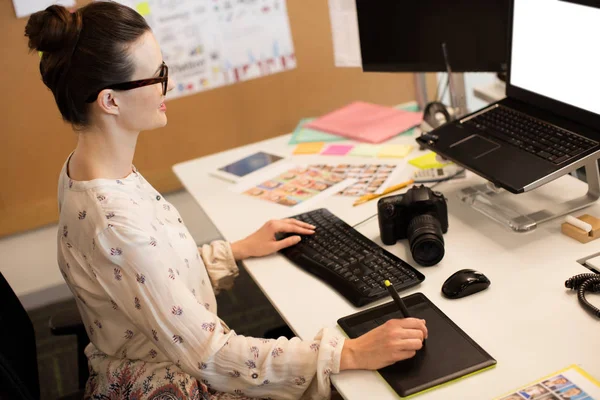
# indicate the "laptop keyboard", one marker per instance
pixel 544 140
pixel 352 264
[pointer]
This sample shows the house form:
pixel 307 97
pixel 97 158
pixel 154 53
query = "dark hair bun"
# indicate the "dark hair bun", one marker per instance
pixel 80 62
pixel 55 29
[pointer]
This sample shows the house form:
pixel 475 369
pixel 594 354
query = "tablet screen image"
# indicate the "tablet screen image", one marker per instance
pixel 250 164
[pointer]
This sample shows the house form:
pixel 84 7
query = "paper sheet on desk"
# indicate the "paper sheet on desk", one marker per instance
pixel 569 383
pixel 367 122
pixel 344 33
pixel 24 8
pixel 302 134
pixel 369 178
pixel 292 185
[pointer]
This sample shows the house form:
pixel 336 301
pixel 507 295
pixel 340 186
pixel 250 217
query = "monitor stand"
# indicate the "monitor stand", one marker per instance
pixel 503 206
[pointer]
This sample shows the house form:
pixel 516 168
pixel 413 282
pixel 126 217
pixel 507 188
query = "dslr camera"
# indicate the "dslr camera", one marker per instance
pixel 421 216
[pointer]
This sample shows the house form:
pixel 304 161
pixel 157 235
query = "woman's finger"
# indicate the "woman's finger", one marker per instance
pixel 412 323
pixel 411 345
pixel 299 223
pixel 404 355
pixel 287 242
pixel 412 334
pixel 288 227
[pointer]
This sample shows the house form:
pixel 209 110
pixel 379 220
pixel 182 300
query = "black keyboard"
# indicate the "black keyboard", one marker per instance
pixel 547 141
pixel 352 264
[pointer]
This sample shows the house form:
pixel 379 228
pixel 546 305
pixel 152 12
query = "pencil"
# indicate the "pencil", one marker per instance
pixel 397 299
pixel 371 196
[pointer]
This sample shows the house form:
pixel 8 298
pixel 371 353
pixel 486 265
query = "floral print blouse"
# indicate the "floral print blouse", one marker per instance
pixel 146 294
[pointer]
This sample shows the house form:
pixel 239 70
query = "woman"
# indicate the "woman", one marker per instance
pixel 144 290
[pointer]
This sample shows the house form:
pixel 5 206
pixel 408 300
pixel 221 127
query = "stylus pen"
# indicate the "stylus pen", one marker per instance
pixel 397 299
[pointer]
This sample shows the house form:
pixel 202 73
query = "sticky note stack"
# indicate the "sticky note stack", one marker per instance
pixel 395 150
pixel 337 149
pixel 309 148
pixel 427 161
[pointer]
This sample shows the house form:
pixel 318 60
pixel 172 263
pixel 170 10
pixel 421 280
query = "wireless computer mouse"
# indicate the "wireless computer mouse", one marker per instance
pixel 464 283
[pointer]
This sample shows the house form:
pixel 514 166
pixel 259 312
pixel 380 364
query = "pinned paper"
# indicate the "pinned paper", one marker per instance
pixel 365 150
pixel 427 161
pixel 303 134
pixel 24 8
pixel 143 8
pixel 309 148
pixel 395 150
pixel 337 149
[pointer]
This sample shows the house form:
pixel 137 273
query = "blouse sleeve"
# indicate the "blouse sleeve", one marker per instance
pixel 138 277
pixel 220 264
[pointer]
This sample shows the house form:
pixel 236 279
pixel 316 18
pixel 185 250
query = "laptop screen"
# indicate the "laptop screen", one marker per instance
pixel 555 50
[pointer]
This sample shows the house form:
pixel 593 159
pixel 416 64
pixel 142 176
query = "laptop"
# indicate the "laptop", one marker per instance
pixel 549 122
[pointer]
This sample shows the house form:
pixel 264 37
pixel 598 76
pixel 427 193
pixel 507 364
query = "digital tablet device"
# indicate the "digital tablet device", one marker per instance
pixel 236 170
pixel 447 354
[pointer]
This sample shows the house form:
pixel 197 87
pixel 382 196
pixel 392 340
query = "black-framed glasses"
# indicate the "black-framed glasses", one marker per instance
pixel 162 78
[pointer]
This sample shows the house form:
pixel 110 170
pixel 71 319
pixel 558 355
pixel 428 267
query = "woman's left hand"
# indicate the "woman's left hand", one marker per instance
pixel 263 242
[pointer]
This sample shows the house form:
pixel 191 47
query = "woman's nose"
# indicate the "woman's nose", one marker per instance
pixel 171 84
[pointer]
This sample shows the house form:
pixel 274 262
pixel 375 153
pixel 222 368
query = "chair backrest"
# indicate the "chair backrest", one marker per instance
pixel 18 353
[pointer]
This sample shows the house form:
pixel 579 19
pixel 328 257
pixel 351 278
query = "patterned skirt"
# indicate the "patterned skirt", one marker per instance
pixel 124 379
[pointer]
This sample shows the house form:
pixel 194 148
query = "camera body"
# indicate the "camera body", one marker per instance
pixel 396 212
pixel 421 216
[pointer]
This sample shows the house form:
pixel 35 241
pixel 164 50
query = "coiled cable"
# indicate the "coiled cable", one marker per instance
pixel 585 283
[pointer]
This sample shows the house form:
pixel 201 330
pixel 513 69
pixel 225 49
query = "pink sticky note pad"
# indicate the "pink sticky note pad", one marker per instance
pixel 337 150
pixel 367 122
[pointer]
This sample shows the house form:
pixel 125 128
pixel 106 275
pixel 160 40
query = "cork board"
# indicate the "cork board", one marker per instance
pixel 35 141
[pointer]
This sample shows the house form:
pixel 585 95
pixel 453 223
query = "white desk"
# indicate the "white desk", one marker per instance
pixel 527 320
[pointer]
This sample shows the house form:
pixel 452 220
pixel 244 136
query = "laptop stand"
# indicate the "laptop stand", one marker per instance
pixel 503 207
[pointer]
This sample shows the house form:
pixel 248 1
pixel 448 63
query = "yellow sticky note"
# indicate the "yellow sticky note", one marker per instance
pixel 309 148
pixel 143 8
pixel 427 161
pixel 395 150
pixel 365 150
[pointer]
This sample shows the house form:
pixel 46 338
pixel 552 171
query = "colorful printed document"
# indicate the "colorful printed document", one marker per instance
pixel 292 185
pixel 571 383
pixel 367 122
pixel 368 178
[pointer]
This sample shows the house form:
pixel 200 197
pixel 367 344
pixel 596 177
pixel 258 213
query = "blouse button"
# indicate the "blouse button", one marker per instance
pixel 179 219
pixel 254 375
pixel 158 197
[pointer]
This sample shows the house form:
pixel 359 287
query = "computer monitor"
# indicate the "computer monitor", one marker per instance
pixel 555 66
pixel 407 35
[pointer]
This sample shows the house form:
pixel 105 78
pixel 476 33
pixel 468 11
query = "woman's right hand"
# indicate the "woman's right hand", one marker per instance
pixel 396 340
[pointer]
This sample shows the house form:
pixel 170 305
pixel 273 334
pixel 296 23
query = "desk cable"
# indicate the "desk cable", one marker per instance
pixel 585 283
pixel 460 171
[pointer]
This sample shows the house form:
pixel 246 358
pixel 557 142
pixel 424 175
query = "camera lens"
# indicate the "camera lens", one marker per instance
pixel 425 238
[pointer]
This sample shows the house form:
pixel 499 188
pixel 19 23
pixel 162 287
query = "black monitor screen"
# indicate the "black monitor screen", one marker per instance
pixel 407 35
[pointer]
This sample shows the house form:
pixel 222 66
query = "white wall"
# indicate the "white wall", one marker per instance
pixel 472 80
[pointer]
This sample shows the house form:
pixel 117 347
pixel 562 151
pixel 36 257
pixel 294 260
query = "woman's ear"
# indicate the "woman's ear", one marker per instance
pixel 108 102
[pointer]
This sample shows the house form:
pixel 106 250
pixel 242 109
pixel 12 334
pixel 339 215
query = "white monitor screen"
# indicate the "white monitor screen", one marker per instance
pixel 555 50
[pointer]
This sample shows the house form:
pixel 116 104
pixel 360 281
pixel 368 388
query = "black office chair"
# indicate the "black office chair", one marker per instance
pixel 19 377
